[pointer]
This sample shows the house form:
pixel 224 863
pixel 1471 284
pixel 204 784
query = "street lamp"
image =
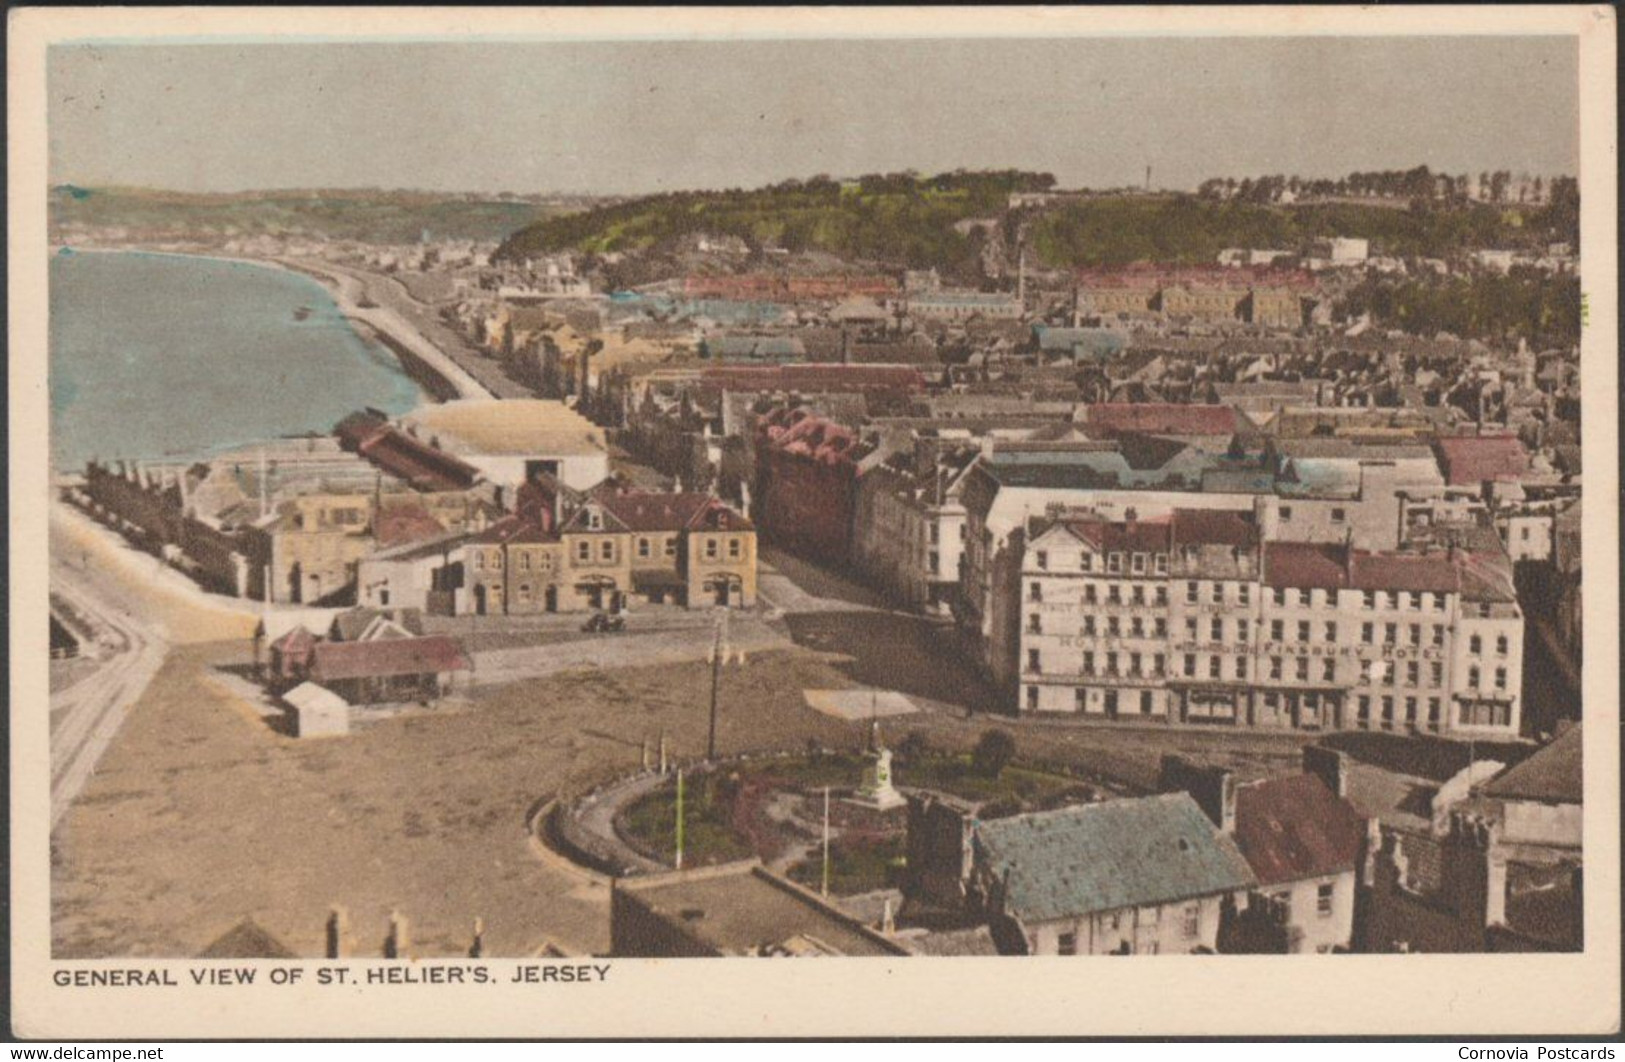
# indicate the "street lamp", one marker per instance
pixel 719 653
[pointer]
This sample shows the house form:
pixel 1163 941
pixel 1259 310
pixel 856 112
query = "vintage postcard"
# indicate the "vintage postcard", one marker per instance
pixel 1071 518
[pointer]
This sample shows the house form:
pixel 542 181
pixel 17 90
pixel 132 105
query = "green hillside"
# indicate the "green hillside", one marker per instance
pixel 901 219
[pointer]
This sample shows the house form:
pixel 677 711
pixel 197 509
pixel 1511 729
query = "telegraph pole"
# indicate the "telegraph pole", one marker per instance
pixel 717 648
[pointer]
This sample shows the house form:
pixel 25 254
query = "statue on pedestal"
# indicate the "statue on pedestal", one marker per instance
pixel 877 790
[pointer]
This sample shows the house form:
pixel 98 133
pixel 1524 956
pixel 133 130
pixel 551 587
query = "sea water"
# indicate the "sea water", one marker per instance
pixel 158 356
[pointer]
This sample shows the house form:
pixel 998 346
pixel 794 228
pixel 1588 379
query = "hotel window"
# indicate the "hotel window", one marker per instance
pixel 1086 561
pixel 1369 599
pixel 1089 593
pixel 1277 630
pixel 1190 665
pixel 1190 593
pixel 1042 559
pixel 1088 663
pixel 1475 645
pixel 1433 713
pixel 1244 592
pixel 1473 677
pixel 1217 629
pixel 1304 597
pixel 583 550
pixel 1034 624
pixel 1112 627
pixel 1303 669
pixel 1390 634
pixel 1331 632
pixel 1089 626
pixel 1080 699
pixel 1500 678
pixel 1215 667
pixel 1137 594
pixel 1241 630
pixel 1501 645
pixel 1160 626
pixel 1035 592
pixel 1137 564
pixel 1436 674
pixel 1218 593
pixel 1438 634
pixel 1136 627
pixel 1413 673
pixel 1323 900
pixel 1032 698
pixel 606 550
pixel 1280 596
pixel 1162 595
pixel 1241 667
pixel 1134 663
pixel 1160 564
pixel 1367 631
pixel 1416 634
pixel 1363 711
pixel 1303 630
pixel 1275 667
pixel 1328 669
pixel 1365 672
pixel 1158 662
pixel 1114 595
pixel 1114 563
pixel 1410 711
pixel 1111 665
pixel 1416 602
pixel 1387 713
pixel 1145 702
pixel 1032 660
pixel 1190 628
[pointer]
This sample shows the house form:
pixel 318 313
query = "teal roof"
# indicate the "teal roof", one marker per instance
pixel 1091 342
pixel 1107 856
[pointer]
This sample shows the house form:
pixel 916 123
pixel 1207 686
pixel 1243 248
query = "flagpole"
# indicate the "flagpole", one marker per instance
pixel 679 818
pixel 824 888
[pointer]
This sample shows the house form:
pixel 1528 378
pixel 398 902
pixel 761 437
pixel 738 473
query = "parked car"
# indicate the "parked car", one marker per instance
pixel 603 622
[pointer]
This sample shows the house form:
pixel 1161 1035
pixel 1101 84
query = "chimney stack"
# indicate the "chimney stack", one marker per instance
pixel 340 944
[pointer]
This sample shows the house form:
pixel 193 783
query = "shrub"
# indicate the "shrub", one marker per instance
pixel 994 751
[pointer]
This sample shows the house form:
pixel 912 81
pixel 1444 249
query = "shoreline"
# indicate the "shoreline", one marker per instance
pixel 389 328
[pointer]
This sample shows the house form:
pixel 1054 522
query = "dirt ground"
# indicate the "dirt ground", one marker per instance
pixel 201 813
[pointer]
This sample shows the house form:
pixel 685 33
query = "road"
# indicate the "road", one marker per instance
pixel 389 315
pixel 418 327
pixel 86 715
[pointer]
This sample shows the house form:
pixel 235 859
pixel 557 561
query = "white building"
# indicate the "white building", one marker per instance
pixel 510 440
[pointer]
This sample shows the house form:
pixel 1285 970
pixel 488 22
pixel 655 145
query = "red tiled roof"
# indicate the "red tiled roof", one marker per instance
pixel 1140 536
pixel 1469 460
pixel 296 642
pixel 515 530
pixel 1294 828
pixel 400 524
pixel 1313 566
pixel 1396 571
pixel 1161 418
pixel 1213 527
pixel 435 654
pixel 651 511
pixel 423 466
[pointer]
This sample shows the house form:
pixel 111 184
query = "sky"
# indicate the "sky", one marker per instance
pixel 617 118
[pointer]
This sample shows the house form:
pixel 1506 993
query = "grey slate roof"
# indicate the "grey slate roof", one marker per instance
pixel 1107 856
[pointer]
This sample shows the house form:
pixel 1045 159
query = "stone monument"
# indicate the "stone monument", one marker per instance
pixel 877 791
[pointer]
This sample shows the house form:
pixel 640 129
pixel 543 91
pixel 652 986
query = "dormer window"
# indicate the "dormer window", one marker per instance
pixel 595 520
